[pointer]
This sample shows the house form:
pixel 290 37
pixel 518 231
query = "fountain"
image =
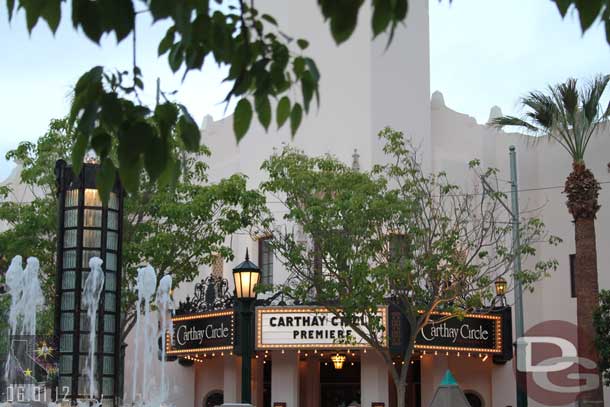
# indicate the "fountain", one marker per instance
pixel 164 304
pixel 146 284
pixel 14 284
pixel 26 298
pixel 147 332
pixel 94 284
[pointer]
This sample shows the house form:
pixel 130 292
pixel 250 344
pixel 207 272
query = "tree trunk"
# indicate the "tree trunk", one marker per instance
pixel 587 297
pixel 401 392
pixel 582 190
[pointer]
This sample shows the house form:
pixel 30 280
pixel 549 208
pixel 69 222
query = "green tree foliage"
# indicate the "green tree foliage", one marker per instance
pixel 588 12
pixel 356 240
pixel 601 320
pixel 175 229
pixel 264 63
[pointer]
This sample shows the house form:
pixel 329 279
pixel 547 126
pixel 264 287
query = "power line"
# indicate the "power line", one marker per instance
pixel 483 193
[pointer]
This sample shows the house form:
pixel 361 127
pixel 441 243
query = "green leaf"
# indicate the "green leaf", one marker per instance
pixel 166 115
pixel 176 56
pixel 112 112
pixel 344 19
pixel 105 178
pixel 101 143
pixel 588 10
pixel 122 19
pixel 78 151
pixel 86 14
pixel 155 157
pixel 33 10
pixel 242 118
pixel 283 111
pixel 189 133
pixel 195 57
pixel 167 41
pixel 129 172
pixel 263 110
pixel 382 14
pixel 52 14
pixel 296 116
pixel 400 10
pixel 307 87
pixel 311 65
pixel 298 66
pixel 563 6
pixel 10 5
pixel 302 43
pixel 269 19
pixel 171 173
pixel 161 8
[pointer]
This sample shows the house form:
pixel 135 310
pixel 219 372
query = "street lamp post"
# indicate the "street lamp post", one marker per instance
pixel 500 284
pixel 246 276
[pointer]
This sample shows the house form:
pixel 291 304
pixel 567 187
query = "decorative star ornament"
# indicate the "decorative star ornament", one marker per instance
pixel 27 372
pixel 44 350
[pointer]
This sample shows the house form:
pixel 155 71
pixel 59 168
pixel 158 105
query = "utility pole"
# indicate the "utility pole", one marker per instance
pixel 514 193
pixel 514 213
pixel 158 90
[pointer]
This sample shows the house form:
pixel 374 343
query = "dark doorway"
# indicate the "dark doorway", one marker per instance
pixel 267 383
pixel 474 399
pixel 339 388
pixel 213 399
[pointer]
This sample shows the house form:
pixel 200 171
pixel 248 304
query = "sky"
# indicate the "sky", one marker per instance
pixel 482 53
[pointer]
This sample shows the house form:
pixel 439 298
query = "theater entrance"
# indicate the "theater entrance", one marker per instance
pixel 340 387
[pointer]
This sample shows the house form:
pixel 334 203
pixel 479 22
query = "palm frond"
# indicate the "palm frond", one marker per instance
pixel 563 114
pixel 543 109
pixel 567 93
pixel 592 95
pixel 503 121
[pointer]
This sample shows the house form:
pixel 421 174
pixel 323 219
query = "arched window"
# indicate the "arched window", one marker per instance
pixel 214 398
pixel 474 398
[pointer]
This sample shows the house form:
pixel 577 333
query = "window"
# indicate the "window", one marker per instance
pixel 572 276
pixel 265 260
pixel 399 246
pixel 218 266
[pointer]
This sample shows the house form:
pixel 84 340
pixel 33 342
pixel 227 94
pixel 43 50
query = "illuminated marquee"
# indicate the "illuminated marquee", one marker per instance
pixel 305 328
pixel 473 333
pixel 210 331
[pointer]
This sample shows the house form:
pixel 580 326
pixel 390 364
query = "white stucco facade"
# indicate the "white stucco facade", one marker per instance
pixel 363 88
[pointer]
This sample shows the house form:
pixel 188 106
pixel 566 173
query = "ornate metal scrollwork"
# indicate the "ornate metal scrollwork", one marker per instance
pixel 211 294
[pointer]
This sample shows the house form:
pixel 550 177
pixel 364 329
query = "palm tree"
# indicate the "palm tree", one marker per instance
pixel 570 117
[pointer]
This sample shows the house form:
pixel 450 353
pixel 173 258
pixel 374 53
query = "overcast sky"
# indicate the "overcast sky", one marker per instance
pixel 483 53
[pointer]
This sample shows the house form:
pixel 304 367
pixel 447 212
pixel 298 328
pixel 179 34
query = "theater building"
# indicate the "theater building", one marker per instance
pixel 299 359
pixel 364 88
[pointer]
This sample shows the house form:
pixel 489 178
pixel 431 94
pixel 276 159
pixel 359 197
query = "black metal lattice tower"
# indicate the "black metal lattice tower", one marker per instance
pixel 87 228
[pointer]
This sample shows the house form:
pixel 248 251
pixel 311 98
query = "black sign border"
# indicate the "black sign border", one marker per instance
pixel 497 334
pixel 259 311
pixel 213 314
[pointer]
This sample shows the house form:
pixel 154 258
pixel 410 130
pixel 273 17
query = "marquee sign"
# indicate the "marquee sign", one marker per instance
pixel 473 333
pixel 210 331
pixel 305 328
